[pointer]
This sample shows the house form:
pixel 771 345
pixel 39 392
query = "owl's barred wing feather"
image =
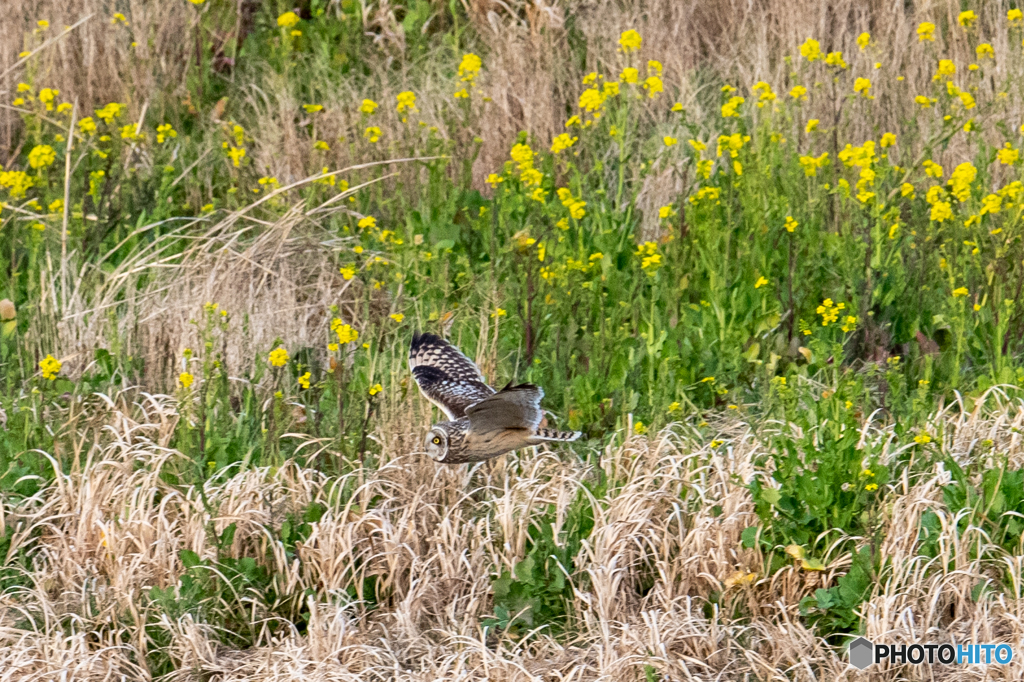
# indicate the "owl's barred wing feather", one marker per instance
pixel 445 376
pixel 451 395
pixel 433 351
pixel 513 407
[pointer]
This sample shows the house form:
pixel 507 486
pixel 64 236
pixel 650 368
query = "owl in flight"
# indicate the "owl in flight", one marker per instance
pixel 483 423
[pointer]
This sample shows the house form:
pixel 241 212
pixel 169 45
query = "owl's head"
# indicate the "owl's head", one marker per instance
pixel 437 444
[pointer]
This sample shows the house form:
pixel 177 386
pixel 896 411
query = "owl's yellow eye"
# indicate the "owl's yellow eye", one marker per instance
pixel 437 441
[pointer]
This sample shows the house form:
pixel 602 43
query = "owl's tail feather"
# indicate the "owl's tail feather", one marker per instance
pixel 551 434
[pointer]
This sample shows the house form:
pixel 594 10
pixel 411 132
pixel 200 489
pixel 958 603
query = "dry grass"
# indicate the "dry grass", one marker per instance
pixel 105 534
pixel 531 53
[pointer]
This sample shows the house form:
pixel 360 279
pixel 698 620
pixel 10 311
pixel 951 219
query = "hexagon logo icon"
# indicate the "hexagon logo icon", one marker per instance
pixel 861 653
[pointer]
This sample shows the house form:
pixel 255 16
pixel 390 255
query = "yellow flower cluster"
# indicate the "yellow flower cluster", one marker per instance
pixel 406 102
pixel 729 109
pixel 811 164
pixel 829 311
pixel 862 156
pixel 41 156
pixel 574 205
pixel 650 259
pixel 50 367
pixel 960 181
pixel 562 142
pixel 764 93
pixel 630 41
pixel 278 357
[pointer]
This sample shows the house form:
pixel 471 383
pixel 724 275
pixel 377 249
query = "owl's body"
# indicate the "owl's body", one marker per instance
pixel 482 423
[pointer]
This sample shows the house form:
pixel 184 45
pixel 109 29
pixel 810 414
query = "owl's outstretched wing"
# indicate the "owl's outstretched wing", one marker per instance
pixel 511 408
pixel 445 376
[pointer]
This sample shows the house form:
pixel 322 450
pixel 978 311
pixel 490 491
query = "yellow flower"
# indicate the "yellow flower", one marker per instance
pixel 941 211
pixel 669 141
pixel 531 177
pixel 849 323
pixel 985 51
pixel 761 281
pixel 653 86
pixel 922 438
pixel 559 144
pixel 925 31
pixel 372 133
pixel 347 273
pixel 799 93
pixel 50 367
pixel 812 125
pixel 946 68
pixel 469 67
pixel 810 50
pixel 639 428
pixel 862 86
pixel 236 154
pixel 278 357
pixel 863 40
pixel 368 106
pixel 678 106
pixel 493 179
pixel 41 156
pixel 1008 155
pixel 591 100
pixel 835 59
pixel 924 101
pixel 665 212
pixel 729 108
pixel 960 292
pixel 367 222
pixel 110 112
pixel 932 169
pixel 960 180
pixel 538 194
pixel 313 108
pixel 406 101
pixel 287 20
pixel 629 75
pixel 630 41
pixel 47 95
pixel 674 407
pixel 165 131
pixel 345 333
pixel 304 380
pixel 1014 15
pixel 791 224
pixel 966 19
pixel 321 146
pixel 375 389
pixel 811 164
pixel 397 317
pixel 186 379
pixel 888 140
pixel 829 311
pixel 871 486
pixel 332 347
